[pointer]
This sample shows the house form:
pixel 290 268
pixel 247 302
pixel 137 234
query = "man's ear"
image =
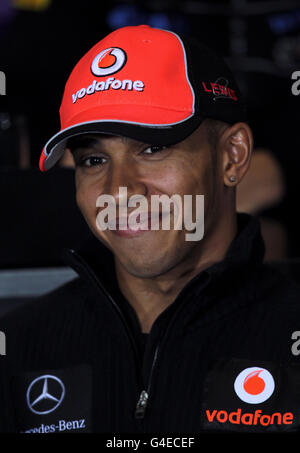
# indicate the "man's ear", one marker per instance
pixel 237 144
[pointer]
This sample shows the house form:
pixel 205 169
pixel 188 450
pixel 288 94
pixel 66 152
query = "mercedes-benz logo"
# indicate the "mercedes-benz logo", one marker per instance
pixel 45 394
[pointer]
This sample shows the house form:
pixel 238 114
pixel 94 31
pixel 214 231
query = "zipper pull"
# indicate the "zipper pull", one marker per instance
pixel 141 405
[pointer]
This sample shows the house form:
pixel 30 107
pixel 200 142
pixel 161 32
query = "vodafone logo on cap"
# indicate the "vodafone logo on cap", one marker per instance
pixel 108 61
pixel 254 385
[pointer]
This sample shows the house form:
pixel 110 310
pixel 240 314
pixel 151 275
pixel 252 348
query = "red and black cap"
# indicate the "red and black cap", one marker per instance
pixel 148 84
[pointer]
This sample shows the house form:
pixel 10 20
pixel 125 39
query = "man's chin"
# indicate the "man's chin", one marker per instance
pixel 145 266
pixel 148 258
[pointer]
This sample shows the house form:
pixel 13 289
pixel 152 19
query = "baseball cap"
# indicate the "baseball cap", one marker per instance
pixel 148 84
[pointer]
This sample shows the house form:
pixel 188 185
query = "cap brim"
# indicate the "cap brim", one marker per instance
pixel 167 134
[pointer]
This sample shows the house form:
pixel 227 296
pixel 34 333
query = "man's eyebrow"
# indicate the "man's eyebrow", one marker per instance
pixel 88 141
pixel 75 143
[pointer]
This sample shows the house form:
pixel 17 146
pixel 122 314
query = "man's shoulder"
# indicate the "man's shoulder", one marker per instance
pixel 276 291
pixel 277 279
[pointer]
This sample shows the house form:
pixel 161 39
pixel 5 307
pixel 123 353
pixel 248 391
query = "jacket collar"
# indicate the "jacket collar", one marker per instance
pixel 246 250
pixel 245 253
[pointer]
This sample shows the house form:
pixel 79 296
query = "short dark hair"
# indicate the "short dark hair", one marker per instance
pixel 213 128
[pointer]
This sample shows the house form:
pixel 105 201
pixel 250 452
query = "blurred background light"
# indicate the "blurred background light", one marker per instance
pixel 6 14
pixel 35 5
pixel 123 15
pixel 285 22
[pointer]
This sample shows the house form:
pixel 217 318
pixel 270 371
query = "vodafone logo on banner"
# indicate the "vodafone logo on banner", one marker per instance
pixel 254 385
pixel 108 61
pixel 249 399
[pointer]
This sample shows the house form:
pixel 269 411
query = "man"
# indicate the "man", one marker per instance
pixel 161 331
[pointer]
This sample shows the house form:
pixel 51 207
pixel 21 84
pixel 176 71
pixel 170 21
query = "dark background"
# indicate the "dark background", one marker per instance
pixel 41 42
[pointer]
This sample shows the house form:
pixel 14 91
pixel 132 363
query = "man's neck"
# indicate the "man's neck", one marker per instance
pixel 151 296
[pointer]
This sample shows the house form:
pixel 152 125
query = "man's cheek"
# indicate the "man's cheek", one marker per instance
pixel 80 201
pixel 87 205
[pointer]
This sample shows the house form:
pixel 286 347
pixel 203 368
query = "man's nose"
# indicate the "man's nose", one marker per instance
pixel 125 175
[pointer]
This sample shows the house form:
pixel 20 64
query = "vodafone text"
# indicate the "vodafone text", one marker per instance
pixel 110 83
pixel 61 426
pixel 249 418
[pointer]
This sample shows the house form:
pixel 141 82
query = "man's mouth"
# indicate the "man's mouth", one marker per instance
pixel 137 225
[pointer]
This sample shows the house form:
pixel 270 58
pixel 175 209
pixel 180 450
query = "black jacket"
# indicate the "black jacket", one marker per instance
pixel 77 361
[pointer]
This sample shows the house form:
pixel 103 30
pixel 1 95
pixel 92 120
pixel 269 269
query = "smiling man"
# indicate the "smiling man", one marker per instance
pixel 152 266
pixel 158 333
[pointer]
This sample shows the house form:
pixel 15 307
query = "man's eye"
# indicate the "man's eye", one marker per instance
pixel 92 161
pixel 154 150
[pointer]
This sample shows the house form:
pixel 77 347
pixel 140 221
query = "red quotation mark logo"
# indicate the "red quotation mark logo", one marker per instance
pixel 108 61
pixel 254 385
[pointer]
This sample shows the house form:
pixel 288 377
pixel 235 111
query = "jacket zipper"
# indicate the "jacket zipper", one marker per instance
pixel 144 396
pixel 143 400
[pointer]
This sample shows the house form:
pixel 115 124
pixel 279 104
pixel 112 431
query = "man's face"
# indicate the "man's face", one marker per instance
pixel 187 168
